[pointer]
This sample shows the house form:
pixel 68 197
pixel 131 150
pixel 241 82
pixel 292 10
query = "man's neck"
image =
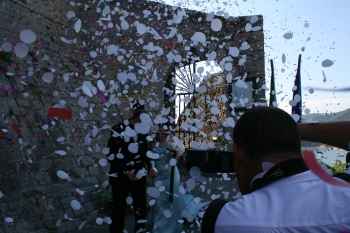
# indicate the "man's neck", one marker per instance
pixel 132 122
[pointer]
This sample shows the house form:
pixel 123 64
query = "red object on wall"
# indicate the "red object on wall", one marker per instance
pixel 14 127
pixel 170 44
pixel 59 112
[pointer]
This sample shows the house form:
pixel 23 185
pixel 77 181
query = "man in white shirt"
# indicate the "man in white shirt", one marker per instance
pixel 280 194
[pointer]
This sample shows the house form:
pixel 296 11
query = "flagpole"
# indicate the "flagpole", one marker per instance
pixel 272 87
pixel 297 108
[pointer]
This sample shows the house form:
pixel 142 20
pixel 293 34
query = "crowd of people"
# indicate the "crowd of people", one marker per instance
pixel 280 193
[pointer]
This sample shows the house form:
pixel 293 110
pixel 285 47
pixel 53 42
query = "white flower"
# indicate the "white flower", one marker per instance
pixel 179 149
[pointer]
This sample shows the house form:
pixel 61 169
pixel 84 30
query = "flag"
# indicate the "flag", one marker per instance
pixel 273 99
pixel 297 100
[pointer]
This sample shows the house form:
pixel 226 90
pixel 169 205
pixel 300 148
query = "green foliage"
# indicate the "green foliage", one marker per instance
pixel 331 117
pixel 338 167
pixel 104 198
pixel 5 57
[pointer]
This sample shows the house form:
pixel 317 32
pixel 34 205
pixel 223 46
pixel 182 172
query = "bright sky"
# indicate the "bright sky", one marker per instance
pixel 329 39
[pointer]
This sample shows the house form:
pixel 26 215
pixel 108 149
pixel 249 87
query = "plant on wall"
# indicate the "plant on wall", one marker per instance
pixel 5 57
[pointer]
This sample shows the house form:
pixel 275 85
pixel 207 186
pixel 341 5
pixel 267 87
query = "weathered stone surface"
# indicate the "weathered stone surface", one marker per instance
pixel 28 158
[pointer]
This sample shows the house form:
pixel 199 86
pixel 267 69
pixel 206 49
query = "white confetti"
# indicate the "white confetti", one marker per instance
pixel 6 47
pixel 233 51
pixel 48 77
pixel 27 36
pixel 283 58
pixel 8 219
pixel 99 221
pixel 248 27
pixel 129 200
pixel 62 174
pixel 153 192
pixel 102 162
pixel 254 19
pixel 327 63
pixel 77 25
pixel 288 36
pixel 141 28
pixel 216 25
pixel 60 152
pixel 75 204
pixel 70 14
pixel 21 49
pixel 167 213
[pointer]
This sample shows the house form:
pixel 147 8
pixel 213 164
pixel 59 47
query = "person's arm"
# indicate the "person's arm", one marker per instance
pixel 333 133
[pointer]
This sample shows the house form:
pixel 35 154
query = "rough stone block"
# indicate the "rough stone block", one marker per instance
pixel 94 170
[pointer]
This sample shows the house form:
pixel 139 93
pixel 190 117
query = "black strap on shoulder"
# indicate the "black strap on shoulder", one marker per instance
pixel 211 214
pixel 281 170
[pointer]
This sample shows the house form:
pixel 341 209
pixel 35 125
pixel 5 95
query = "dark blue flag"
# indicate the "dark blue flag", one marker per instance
pixel 297 109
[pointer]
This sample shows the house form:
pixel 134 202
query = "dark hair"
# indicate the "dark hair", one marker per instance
pixel 137 106
pixel 347 159
pixel 137 113
pixel 267 131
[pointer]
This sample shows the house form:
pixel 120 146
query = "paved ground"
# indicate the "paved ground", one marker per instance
pixel 218 185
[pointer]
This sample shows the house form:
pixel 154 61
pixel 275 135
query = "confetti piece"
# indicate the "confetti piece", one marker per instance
pixel 288 36
pixel 216 25
pixel 77 25
pixel 21 50
pixel 59 112
pixel 316 168
pixel 283 58
pixel 327 63
pixel 48 77
pixel 152 155
pixel 103 100
pixel 70 14
pixel 167 213
pixel 248 27
pixel 152 202
pixel 254 19
pixel 103 162
pixel 244 46
pixel 11 89
pixel 99 221
pixel 81 225
pixel 129 200
pixel 8 220
pixel 75 204
pixel 153 192
pixel 27 36
pixel 60 152
pixel 6 47
pixel 198 37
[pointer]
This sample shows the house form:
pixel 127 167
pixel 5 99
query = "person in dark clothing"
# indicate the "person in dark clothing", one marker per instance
pixel 127 172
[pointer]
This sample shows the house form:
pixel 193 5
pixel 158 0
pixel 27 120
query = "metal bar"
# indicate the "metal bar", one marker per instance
pixel 184 83
pixel 189 68
pixel 185 75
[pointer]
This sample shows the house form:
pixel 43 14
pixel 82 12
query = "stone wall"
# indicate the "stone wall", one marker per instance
pixel 59 63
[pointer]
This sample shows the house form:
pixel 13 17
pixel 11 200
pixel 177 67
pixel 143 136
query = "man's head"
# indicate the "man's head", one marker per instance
pixel 263 134
pixel 161 135
pixel 136 116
